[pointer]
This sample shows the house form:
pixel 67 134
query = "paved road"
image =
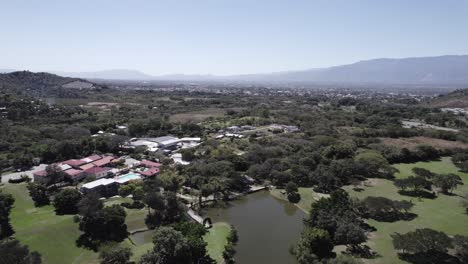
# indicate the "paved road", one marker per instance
pixel 16 175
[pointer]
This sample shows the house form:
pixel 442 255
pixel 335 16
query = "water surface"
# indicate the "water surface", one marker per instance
pixel 267 227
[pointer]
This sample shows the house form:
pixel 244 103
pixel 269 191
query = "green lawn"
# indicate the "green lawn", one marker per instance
pixel 54 236
pixel 216 238
pixel 308 196
pixel 42 230
pixel 443 213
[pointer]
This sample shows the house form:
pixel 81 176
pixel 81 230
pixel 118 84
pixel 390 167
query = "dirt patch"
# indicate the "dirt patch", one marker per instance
pixel 413 142
pixel 198 116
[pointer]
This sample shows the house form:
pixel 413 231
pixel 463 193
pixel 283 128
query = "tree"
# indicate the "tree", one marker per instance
pixel 38 194
pixel 233 237
pixel 126 190
pixel 6 203
pixel 447 182
pixel 461 248
pixel 54 173
pixel 350 234
pixel 314 241
pixel 422 240
pixel 416 183
pixel 292 192
pixel 170 247
pixel 66 201
pixel 384 209
pixel 108 224
pixel 90 204
pixel 421 172
pixel 11 251
pixel 115 254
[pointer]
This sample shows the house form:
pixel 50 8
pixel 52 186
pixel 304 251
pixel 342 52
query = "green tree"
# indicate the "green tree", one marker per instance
pixel 115 254
pixel 11 251
pixel 170 247
pixel 422 240
pixel 447 182
pixel 6 203
pixel 38 194
pixel 66 201
pixel 313 241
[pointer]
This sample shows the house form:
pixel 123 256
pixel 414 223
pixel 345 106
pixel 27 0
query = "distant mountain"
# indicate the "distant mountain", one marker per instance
pixel 43 84
pixel 442 70
pixel 449 70
pixel 109 75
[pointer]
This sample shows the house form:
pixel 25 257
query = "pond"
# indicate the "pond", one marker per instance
pixel 267 227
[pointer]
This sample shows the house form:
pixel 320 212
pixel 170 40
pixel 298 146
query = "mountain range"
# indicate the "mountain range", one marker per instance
pixel 451 70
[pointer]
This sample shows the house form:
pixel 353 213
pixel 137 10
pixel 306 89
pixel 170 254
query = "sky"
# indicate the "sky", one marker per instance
pixel 224 36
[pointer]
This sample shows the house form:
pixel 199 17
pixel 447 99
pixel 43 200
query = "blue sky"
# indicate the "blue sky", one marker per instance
pixel 224 36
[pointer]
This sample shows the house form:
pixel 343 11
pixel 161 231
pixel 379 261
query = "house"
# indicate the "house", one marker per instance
pixel 87 166
pixel 150 164
pixel 41 177
pixel 91 158
pixel 97 172
pixel 105 161
pixel 104 187
pixel 75 174
pixel 153 171
pixel 74 163
pixel 167 142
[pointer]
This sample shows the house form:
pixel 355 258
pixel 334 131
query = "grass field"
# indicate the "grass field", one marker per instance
pixel 42 230
pixel 54 236
pixel 443 213
pixel 216 238
pixel 308 196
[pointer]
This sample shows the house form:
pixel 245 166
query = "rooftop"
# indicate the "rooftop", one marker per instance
pixel 94 184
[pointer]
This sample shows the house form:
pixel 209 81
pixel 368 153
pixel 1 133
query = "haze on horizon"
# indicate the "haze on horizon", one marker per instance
pixel 224 37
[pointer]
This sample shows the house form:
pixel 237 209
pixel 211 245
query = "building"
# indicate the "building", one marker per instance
pixel 41 177
pixel 149 164
pixel 103 187
pixel 74 174
pixel 97 172
pixel 105 161
pixel 151 172
pixel 74 163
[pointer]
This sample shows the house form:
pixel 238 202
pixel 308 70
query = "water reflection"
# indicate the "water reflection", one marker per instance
pixel 267 227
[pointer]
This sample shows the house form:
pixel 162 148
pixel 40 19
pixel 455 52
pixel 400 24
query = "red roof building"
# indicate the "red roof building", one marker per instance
pixel 104 161
pixel 150 172
pixel 150 164
pixel 97 172
pixel 91 158
pixel 75 174
pixel 74 163
pixel 87 166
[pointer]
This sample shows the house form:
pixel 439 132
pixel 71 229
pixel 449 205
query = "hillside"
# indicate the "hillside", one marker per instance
pixel 42 84
pixel 456 99
pixel 442 70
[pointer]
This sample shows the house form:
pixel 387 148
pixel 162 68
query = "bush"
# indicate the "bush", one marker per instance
pixel 23 178
pixel 294 197
pixel 134 205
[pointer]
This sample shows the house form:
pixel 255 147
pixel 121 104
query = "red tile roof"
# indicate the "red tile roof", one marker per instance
pixel 96 170
pixel 87 166
pixel 91 158
pixel 150 172
pixel 41 173
pixel 104 161
pixel 150 164
pixel 73 172
pixel 74 162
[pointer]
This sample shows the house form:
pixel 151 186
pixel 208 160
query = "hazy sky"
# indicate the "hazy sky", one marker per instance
pixel 224 36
